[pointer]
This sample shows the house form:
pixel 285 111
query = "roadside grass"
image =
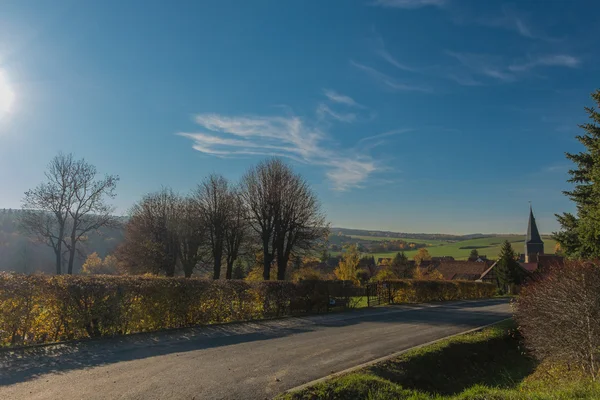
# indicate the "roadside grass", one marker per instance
pixel 360 302
pixel 490 364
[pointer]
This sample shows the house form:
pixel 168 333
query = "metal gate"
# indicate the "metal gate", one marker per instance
pixel 378 293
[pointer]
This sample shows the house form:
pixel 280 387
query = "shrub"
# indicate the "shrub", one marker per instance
pixel 42 309
pixel 385 274
pixel 306 274
pixel 421 291
pixel 559 315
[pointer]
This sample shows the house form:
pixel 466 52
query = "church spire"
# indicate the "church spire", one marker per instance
pixel 533 241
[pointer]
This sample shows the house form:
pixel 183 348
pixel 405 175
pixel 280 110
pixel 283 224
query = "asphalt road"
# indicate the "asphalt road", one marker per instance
pixel 235 361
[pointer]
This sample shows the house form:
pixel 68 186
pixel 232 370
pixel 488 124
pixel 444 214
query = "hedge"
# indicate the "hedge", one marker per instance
pixel 422 291
pixel 44 309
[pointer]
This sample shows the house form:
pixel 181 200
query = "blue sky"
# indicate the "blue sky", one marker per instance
pixel 405 115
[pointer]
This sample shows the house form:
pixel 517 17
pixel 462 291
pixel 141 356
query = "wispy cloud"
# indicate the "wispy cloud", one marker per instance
pixel 291 137
pixel 388 81
pixel 464 80
pixel 381 50
pixel 510 22
pixel 408 4
pixel 385 134
pixel 323 110
pixel 340 98
pixel 557 168
pixel 483 64
pixel 383 53
pixel 498 68
pixel 556 60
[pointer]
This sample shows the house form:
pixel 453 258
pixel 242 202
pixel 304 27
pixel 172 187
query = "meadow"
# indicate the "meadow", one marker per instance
pixel 460 250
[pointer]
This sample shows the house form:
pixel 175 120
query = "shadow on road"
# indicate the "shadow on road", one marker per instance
pixel 23 365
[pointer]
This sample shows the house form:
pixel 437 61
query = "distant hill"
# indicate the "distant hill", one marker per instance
pixel 401 235
pixel 438 245
pixel 22 253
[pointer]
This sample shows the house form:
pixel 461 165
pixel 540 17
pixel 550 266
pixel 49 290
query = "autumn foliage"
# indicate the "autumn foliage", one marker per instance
pixel 41 309
pixel 422 291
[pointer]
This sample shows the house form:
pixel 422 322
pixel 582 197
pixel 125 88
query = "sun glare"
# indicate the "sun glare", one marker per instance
pixel 7 96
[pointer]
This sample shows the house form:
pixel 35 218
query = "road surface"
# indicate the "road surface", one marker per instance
pixel 254 360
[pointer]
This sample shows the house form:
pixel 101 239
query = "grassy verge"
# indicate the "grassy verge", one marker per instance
pixel 483 365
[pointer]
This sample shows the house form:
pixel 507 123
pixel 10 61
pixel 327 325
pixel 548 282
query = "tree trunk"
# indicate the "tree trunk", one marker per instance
pixel 58 260
pixel 71 255
pixel 281 265
pixel 218 256
pixel 188 270
pixel 266 260
pixel 229 271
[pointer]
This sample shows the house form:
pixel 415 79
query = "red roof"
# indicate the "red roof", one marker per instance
pixel 531 267
pixel 470 270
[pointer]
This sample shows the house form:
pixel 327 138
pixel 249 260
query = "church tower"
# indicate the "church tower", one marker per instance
pixel 533 242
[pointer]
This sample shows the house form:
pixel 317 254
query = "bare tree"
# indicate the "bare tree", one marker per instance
pixel 191 235
pixel 64 210
pixel 152 242
pixel 283 211
pixel 89 211
pixel 46 208
pixel 300 225
pixel 235 231
pixel 71 204
pixel 213 200
pixel 259 193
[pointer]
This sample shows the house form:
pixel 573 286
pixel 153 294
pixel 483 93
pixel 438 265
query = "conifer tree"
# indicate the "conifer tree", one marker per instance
pixel 580 233
pixel 508 271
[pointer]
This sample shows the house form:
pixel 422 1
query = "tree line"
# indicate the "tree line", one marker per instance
pixel 271 213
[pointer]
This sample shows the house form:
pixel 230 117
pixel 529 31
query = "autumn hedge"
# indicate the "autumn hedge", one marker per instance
pixel 43 309
pixel 420 291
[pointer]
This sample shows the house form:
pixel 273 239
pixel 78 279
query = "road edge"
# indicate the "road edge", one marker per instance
pixel 385 358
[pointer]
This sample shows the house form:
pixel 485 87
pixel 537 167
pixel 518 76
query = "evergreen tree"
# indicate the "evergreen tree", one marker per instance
pixel 238 270
pixel 580 234
pixel 400 259
pixel 508 271
pixel 474 254
pixel 401 266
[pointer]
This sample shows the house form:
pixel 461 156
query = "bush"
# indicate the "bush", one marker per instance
pixel 42 309
pixel 38 308
pixel 559 315
pixel 422 291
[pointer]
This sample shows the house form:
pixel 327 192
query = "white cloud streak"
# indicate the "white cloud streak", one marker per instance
pixel 289 137
pixel 556 60
pixel 385 134
pixel 388 81
pixel 383 53
pixel 340 98
pixel 497 68
pixel 408 4
pixel 483 64
pixel 323 110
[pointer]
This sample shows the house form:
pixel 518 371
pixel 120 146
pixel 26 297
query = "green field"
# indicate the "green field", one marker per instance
pixel 489 246
pixel 407 240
